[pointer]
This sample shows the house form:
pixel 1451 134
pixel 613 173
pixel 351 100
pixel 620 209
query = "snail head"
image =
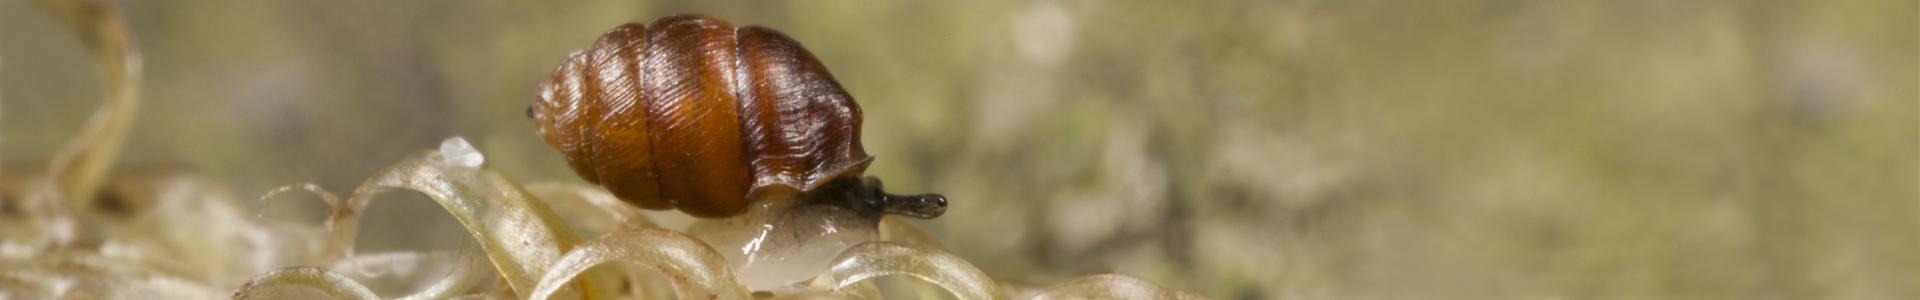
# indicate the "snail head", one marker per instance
pixel 867 197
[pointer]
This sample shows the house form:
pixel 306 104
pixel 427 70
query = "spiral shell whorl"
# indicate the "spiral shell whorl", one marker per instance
pixel 692 113
pixel 803 128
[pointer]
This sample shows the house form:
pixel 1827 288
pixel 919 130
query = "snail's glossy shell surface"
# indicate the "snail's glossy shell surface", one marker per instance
pixel 692 113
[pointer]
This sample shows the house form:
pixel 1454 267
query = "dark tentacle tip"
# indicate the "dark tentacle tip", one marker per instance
pixel 926 206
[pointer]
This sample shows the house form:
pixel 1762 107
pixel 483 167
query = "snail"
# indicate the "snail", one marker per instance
pixel 741 127
pixel 691 113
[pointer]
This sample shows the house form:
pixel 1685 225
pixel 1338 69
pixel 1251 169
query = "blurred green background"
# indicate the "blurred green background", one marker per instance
pixel 1239 149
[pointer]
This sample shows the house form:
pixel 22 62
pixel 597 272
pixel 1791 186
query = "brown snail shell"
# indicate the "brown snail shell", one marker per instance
pixel 692 113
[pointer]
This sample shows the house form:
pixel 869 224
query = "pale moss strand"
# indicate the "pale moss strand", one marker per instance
pixel 463 272
pixel 875 259
pixel 341 241
pixel 697 272
pixel 590 208
pixel 80 165
pixel 520 235
pixel 1112 286
pixel 303 283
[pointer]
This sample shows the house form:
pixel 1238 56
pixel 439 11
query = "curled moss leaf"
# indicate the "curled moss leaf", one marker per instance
pixel 590 208
pixel 185 225
pixel 1112 286
pixel 495 294
pixel 137 287
pixel 339 241
pixel 169 288
pixel 822 295
pixel 875 259
pixel 899 230
pixel 35 216
pixel 519 234
pixel 328 197
pixel 697 272
pixel 303 283
pixel 862 290
pixel 69 264
pixel 16 285
pixel 435 275
pixel 87 275
pixel 83 275
pixel 79 166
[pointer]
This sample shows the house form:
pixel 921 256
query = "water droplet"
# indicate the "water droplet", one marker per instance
pixel 455 151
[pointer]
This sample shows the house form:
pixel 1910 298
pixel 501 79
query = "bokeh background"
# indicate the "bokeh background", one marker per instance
pixel 1238 149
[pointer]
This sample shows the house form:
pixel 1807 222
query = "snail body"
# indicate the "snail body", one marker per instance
pixel 691 113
